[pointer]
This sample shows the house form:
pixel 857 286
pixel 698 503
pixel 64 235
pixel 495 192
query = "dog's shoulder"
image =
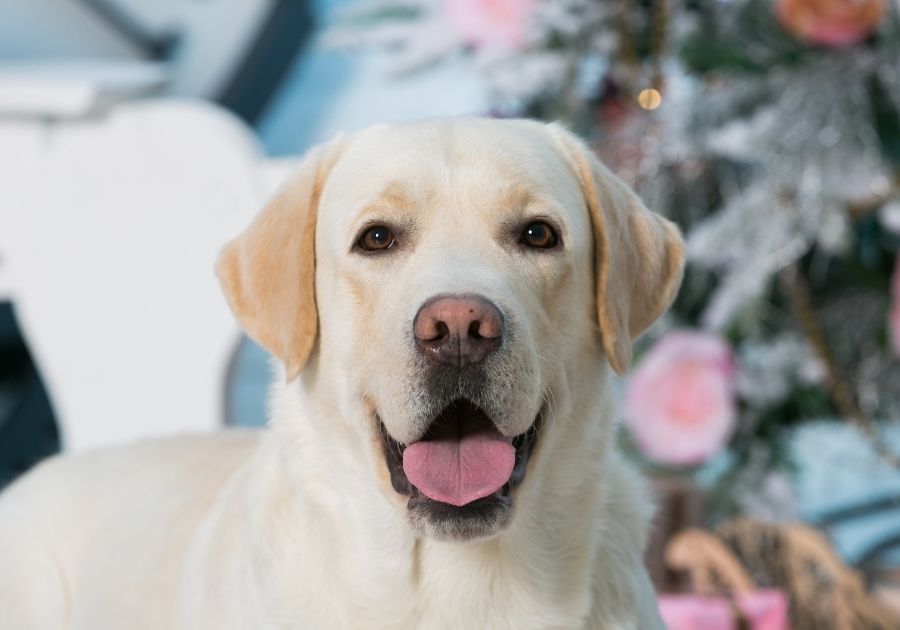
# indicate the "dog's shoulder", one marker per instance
pixel 99 519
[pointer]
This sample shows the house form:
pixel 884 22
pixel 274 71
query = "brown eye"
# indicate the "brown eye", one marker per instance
pixel 540 235
pixel 376 238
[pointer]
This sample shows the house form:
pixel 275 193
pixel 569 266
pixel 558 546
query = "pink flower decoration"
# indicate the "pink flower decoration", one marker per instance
pixel 764 610
pixel 497 24
pixel 894 317
pixel 679 402
pixel 830 22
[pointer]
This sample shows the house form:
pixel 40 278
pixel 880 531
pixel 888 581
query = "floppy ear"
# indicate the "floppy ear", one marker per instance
pixel 639 254
pixel 268 272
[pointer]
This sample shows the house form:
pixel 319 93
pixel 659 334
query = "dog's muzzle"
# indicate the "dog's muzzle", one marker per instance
pixel 458 474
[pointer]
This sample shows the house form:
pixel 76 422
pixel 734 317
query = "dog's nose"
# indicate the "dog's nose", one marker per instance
pixel 458 329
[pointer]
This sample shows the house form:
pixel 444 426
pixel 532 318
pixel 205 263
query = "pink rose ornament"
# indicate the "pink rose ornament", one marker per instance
pixel 679 402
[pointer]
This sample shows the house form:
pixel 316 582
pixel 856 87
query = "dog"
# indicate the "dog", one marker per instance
pixel 445 301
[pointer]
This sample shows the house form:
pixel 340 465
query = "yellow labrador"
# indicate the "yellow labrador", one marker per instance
pixel 445 298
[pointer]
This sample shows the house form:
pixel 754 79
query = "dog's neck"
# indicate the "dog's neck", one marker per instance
pixel 319 479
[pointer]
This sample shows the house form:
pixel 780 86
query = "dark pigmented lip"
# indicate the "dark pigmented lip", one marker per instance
pixel 393 454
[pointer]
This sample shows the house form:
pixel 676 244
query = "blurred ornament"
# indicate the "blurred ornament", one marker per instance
pixel 726 595
pixel 497 24
pixel 894 317
pixel 760 610
pixel 830 22
pixel 762 567
pixel 649 98
pixel 889 214
pixel 612 109
pixel 679 402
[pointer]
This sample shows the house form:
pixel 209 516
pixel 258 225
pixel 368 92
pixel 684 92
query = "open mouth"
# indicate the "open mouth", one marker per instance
pixel 462 464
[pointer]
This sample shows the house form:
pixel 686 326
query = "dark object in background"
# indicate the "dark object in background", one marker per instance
pixel 150 45
pixel 28 431
pixel 281 36
pixel 264 63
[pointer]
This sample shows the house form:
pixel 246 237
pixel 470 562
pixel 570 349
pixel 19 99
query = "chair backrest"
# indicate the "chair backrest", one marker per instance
pixel 109 228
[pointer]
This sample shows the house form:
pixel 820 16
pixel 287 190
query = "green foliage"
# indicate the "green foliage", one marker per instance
pixel 752 42
pixel 887 122
pixel 807 402
pixel 872 260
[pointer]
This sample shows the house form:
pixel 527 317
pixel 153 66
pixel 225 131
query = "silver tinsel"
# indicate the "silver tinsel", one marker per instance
pixel 813 150
pixel 770 369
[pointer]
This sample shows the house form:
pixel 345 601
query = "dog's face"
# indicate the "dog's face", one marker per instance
pixel 460 270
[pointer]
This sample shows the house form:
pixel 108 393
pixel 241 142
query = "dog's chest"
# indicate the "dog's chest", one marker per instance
pixel 449 588
pixel 480 604
pixel 444 591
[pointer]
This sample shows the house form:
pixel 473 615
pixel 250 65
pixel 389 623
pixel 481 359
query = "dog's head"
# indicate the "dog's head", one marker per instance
pixel 445 282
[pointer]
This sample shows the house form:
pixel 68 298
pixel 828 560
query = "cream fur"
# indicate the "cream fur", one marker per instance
pixel 298 526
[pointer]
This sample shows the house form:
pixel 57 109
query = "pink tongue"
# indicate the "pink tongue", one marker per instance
pixel 458 469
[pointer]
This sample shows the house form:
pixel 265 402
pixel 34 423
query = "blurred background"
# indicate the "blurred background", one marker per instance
pixel 137 136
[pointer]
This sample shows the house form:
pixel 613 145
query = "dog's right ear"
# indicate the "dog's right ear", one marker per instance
pixel 268 272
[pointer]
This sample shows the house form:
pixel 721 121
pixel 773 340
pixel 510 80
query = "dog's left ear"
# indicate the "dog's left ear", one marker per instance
pixel 639 254
pixel 268 272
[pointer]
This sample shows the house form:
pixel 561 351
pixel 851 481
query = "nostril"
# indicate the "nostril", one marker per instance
pixel 441 331
pixel 474 330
